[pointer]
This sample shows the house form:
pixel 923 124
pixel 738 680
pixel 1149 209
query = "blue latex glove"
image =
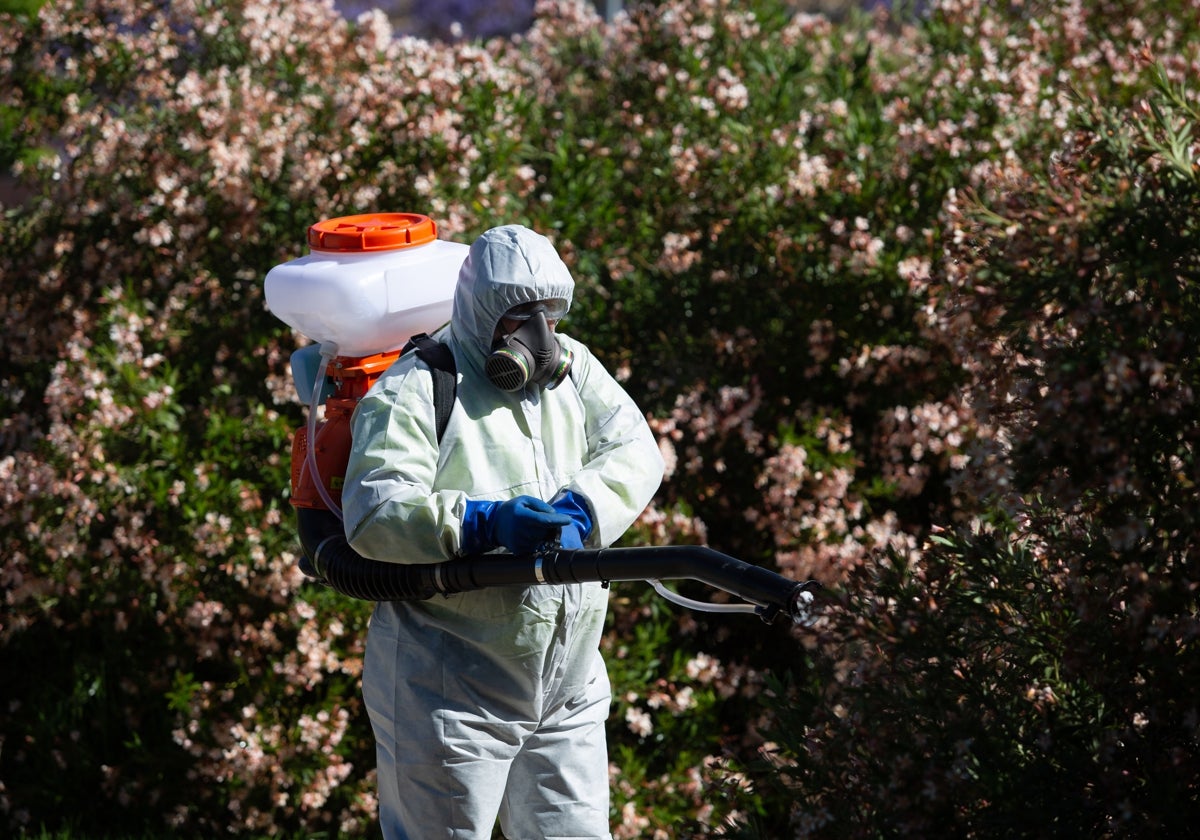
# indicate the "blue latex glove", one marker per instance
pixel 520 525
pixel 570 537
pixel 575 506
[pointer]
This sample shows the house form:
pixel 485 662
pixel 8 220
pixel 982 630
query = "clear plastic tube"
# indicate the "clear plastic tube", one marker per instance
pixel 328 352
pixel 703 606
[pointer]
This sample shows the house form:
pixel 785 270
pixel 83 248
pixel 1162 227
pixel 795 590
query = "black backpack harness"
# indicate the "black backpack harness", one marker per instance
pixel 445 376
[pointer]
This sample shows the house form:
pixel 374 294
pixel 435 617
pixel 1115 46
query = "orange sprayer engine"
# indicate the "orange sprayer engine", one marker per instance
pixel 351 379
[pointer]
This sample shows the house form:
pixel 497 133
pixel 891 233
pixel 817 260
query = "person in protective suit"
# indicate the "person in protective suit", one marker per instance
pixel 492 703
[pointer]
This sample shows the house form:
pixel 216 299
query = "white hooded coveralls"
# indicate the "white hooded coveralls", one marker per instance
pixel 492 703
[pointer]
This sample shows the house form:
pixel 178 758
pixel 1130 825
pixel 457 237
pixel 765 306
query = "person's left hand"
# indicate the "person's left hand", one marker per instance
pixel 571 538
pixel 575 506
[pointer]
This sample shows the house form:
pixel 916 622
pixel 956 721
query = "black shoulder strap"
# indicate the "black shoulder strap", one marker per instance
pixel 445 379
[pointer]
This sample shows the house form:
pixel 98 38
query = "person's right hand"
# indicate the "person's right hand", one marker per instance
pixel 524 523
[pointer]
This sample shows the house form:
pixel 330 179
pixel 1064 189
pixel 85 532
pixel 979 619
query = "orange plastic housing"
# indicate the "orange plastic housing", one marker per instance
pixel 352 379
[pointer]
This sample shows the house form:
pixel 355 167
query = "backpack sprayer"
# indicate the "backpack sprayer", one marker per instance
pixel 370 283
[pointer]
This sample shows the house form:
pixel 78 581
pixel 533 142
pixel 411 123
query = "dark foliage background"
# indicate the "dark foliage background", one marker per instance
pixel 908 296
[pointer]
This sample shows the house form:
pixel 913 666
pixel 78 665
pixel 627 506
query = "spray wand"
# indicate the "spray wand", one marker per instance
pixel 330 560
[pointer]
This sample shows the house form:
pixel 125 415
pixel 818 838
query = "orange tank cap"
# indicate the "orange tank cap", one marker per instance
pixel 372 232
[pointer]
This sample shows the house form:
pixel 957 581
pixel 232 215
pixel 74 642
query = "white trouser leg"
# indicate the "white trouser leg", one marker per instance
pixel 441 774
pixel 558 783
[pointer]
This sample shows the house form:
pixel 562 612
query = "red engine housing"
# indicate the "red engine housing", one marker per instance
pixel 352 378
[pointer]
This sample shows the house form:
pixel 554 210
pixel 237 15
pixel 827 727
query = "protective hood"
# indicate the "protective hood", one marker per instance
pixel 505 267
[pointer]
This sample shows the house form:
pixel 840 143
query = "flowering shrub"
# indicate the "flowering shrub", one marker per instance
pixel 908 301
pixel 1028 674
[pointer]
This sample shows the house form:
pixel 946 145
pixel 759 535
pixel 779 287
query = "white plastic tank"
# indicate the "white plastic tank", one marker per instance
pixel 370 282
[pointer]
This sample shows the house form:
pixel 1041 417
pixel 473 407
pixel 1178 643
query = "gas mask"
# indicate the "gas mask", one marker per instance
pixel 529 353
